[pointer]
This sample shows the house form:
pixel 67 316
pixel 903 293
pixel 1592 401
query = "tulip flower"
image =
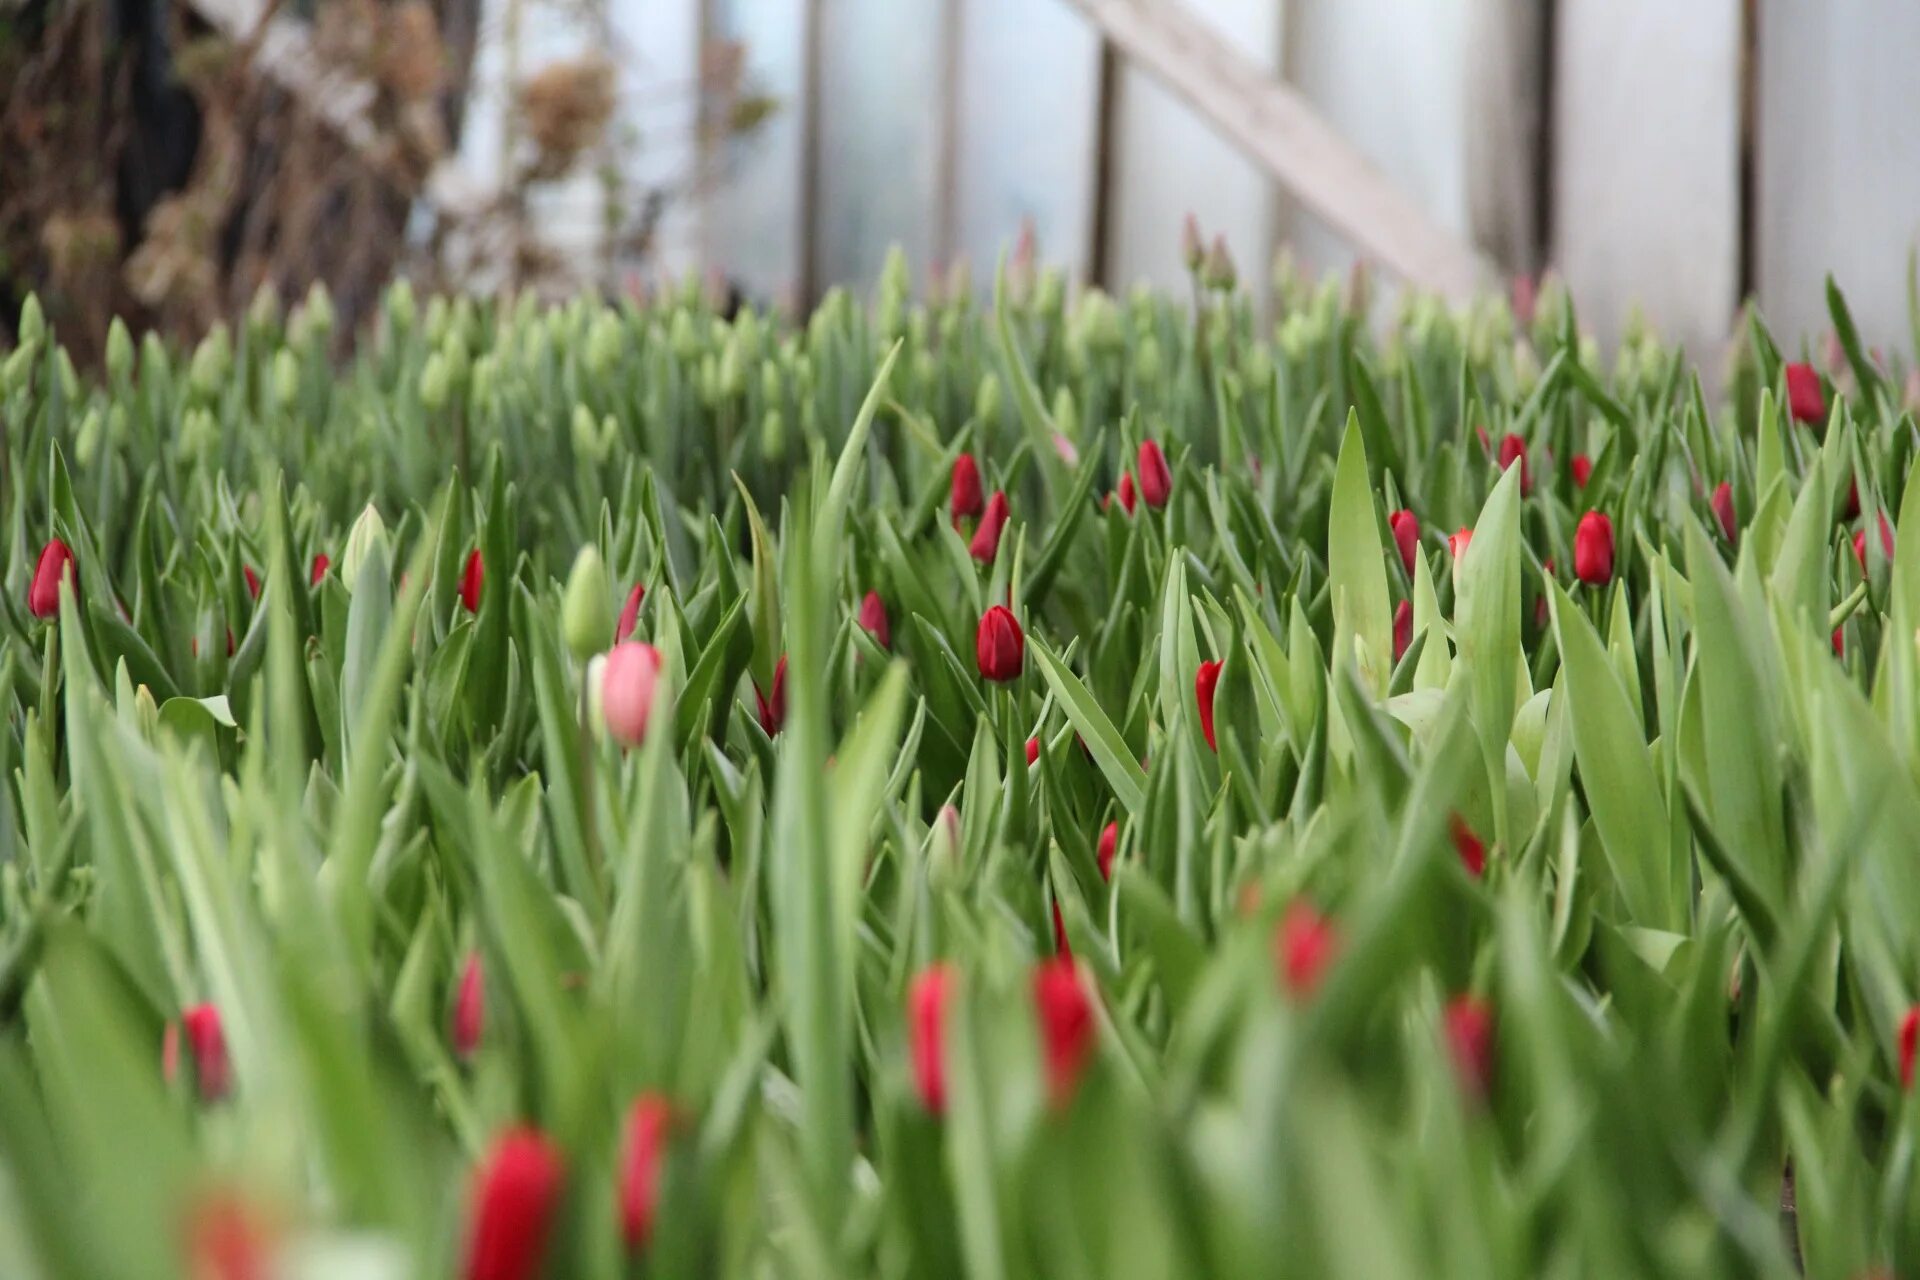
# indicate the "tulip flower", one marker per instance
pixel 1473 853
pixel 1156 482
pixel 1582 468
pixel 1886 542
pixel 1852 509
pixel 1066 1025
pixel 1909 1040
pixel 1061 947
pixel 966 500
pixel 649 1124
pixel 471 580
pixel 56 562
pixel 1406 536
pixel 1805 399
pixel 1840 641
pixel 320 566
pixel 1513 449
pixel 999 646
pixel 873 620
pixel 1304 946
pixel 253 580
pixel 586 605
pixel 1033 750
pixel 772 705
pixel 1128 500
pixel 207 1044
pixel 1402 629
pixel 1457 544
pixel 1593 549
pixel 1468 1023
pixel 516 1191
pixel 629 682
pixel 986 539
pixel 469 1007
pixel 228 1238
pixel 1204 682
pixel 1722 504
pixel 630 613
pixel 1109 841
pixel 927 997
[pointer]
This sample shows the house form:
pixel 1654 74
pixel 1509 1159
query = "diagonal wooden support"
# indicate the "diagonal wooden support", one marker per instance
pixel 1283 134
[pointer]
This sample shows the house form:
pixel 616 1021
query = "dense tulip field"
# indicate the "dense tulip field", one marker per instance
pixel 1014 786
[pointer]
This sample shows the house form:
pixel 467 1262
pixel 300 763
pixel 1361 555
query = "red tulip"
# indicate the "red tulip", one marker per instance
pixel 207 1043
pixel 1593 549
pixel 1886 542
pixel 1853 498
pixel 56 562
pixel 1406 536
pixel 1839 641
pixel 1156 482
pixel 986 539
pixel 1204 681
pixel 1033 750
pixel 1066 1025
pixel 1909 1039
pixel 1402 629
pixel 998 646
pixel 629 682
pixel 1722 504
pixel 1473 853
pixel 927 997
pixel 1109 841
pixel 1582 467
pixel 629 613
pixel 966 497
pixel 873 620
pixel 1128 501
pixel 228 1239
pixel 471 580
pixel 772 706
pixel 515 1193
pixel 320 566
pixel 1457 544
pixel 1304 946
pixel 649 1124
pixel 1805 399
pixel 469 1007
pixel 1469 1032
pixel 1061 947
pixel 253 580
pixel 1513 449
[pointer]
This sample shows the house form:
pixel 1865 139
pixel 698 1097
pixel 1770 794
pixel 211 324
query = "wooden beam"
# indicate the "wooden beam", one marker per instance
pixel 1283 134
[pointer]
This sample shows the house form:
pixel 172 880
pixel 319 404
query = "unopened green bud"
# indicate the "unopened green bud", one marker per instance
pixel 69 379
pixel 402 309
pixel 86 441
pixel 17 370
pixel 146 712
pixel 208 368
pixel 33 322
pixel 155 368
pixel 1066 416
pixel 286 378
pixel 434 383
pixel 263 313
pixel 603 344
pixel 119 351
pixel 367 536
pixel 586 610
pixel 986 400
pixel 773 436
pixel 119 433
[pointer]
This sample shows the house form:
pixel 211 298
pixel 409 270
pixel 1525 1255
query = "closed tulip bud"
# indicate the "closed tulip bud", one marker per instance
pixel 1033 751
pixel 86 441
pixel 603 344
pixel 1852 509
pixel 1805 398
pixel 1468 1023
pixel 56 562
pixel 436 383
pixel 369 532
pixel 873 620
pixel 1722 504
pixel 472 579
pixel 253 580
pixel 1473 853
pixel 1593 549
pixel 629 683
pixel 1909 1040
pixel 1402 629
pixel 649 1125
pixel 320 566
pixel 1304 945
pixel 1840 641
pixel 1156 482
pixel 1061 946
pixel 469 1007
pixel 927 998
pixel 1513 449
pixel 1582 468
pixel 1217 272
pixel 515 1193
pixel 1458 543
pixel 629 613
pixel 119 351
pixel 986 400
pixel 586 610
pixel 1066 1025
pixel 771 704
pixel 1193 246
pixel 986 539
pixel 206 1045
pixel 1406 536
pixel 966 500
pixel 1109 842
pixel 1128 499
pixel 229 1239
pixel 1204 682
pixel 33 321
pixel 1000 648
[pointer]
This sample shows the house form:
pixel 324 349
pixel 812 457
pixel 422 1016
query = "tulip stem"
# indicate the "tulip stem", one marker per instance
pixel 589 815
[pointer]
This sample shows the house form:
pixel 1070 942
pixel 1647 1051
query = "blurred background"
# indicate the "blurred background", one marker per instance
pixel 164 159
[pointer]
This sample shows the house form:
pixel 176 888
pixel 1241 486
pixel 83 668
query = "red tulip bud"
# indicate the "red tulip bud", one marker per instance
pixel 1909 1040
pixel 1473 854
pixel 228 1238
pixel 1469 1033
pixel 515 1193
pixel 1860 549
pixel 927 997
pixel 1406 536
pixel 1853 498
pixel 1066 1025
pixel 966 499
pixel 1109 841
pixel 1128 500
pixel 207 1044
pixel 253 580
pixel 998 646
pixel 772 705
pixel 629 613
pixel 1402 629
pixel 873 620
pixel 629 681
pixel 1204 681
pixel 1593 549
pixel 469 1007
pixel 1304 946
pixel 471 580
pixel 1061 947
pixel 1457 544
pixel 1033 750
pixel 986 539
pixel 649 1124
pixel 1805 399
pixel 1513 449
pixel 1839 641
pixel 320 566
pixel 1582 468
pixel 56 562
pixel 1722 504
pixel 1156 482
